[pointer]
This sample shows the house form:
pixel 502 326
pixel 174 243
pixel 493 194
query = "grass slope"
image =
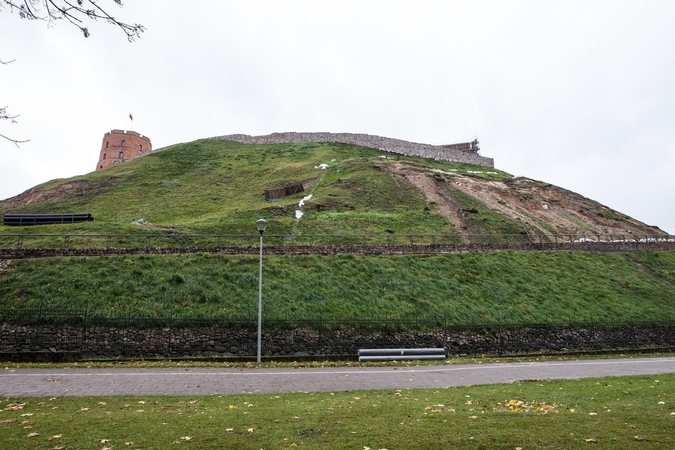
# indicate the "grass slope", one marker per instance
pixel 614 412
pixel 214 186
pixel 506 286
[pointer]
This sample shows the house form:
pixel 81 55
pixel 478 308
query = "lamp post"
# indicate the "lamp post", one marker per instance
pixel 261 224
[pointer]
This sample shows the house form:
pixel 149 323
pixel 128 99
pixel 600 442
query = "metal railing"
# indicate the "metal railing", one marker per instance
pixel 153 241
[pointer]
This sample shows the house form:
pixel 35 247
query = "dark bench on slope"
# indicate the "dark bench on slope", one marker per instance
pixel 394 354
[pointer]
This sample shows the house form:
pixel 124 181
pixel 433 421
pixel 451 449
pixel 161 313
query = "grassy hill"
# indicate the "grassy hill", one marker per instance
pixel 214 186
pixel 506 286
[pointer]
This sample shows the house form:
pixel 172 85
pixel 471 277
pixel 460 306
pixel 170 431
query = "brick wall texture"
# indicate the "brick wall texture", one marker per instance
pixel 119 146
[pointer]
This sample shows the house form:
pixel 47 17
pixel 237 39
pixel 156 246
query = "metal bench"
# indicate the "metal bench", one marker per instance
pixel 394 354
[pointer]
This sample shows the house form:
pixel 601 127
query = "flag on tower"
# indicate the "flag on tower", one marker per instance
pixel 131 117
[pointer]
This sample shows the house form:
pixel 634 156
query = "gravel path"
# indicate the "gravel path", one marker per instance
pixel 204 381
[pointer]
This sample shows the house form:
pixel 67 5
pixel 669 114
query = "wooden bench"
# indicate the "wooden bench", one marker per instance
pixel 394 354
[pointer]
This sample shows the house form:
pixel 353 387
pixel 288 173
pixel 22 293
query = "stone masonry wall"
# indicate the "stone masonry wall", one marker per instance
pixel 222 341
pixel 628 246
pixel 365 140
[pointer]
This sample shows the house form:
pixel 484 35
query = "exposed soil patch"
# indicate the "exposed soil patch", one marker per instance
pixel 56 194
pixel 542 208
pixel 428 186
pixel 278 210
pixel 568 212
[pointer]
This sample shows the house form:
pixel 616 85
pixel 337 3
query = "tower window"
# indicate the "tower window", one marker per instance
pixel 140 148
pixel 122 154
pixel 124 144
pixel 106 144
pixel 104 156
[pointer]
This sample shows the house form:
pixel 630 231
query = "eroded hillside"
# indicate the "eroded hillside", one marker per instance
pixel 474 204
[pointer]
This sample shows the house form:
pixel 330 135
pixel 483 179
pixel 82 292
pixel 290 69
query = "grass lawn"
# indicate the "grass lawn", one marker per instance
pixel 613 412
pixel 465 288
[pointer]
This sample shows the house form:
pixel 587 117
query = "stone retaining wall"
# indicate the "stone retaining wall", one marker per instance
pixel 223 341
pixel 628 246
pixel 398 146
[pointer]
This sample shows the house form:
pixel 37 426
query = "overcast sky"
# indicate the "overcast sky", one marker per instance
pixel 580 94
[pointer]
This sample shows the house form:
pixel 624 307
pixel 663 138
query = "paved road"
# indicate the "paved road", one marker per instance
pixel 202 381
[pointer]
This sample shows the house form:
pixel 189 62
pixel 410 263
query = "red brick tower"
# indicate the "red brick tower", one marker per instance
pixel 119 146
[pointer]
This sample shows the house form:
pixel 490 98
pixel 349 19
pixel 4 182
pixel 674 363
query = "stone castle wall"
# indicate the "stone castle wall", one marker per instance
pixel 225 341
pixel 602 247
pixel 365 140
pixel 119 146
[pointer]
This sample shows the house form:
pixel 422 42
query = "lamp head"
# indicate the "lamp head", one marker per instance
pixel 261 224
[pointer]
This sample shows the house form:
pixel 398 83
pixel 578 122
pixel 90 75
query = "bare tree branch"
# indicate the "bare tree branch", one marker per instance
pixel 4 115
pixel 75 13
pixel 14 141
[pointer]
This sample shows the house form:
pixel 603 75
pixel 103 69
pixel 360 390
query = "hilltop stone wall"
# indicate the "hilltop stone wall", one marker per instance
pixel 398 146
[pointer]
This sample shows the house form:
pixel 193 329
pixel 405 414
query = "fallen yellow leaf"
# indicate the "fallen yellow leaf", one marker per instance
pixel 14 406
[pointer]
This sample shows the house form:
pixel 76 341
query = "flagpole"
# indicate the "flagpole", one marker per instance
pixel 131 117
